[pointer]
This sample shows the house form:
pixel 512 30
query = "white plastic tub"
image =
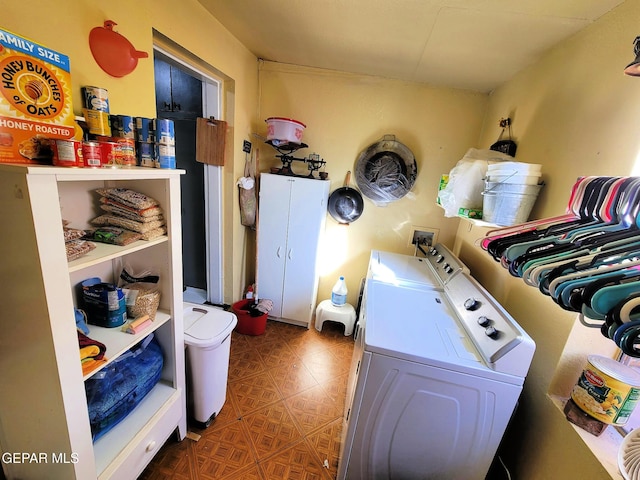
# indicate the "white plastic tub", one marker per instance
pixel 517 167
pixel 285 129
pixel 513 178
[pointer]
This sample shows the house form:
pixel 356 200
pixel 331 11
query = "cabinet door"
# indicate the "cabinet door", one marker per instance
pixel 307 213
pixel 275 192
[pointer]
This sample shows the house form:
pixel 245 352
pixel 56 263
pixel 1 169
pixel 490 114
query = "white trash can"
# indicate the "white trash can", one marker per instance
pixel 207 337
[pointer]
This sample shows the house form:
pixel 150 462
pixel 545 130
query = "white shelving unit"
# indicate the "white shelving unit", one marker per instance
pixel 43 406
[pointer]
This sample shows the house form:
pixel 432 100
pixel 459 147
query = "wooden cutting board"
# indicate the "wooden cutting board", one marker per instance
pixel 210 141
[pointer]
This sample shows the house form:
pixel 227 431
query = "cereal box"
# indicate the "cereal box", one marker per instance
pixel 35 100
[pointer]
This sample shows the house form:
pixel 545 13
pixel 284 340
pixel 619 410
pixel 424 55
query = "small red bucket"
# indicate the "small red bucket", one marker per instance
pixel 247 324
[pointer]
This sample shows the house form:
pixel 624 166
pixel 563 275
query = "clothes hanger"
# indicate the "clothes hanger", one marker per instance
pixel 517 245
pixel 570 244
pixel 543 276
pixel 496 245
pixel 535 271
pixel 572 212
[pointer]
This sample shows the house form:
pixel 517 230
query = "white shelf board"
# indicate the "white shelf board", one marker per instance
pixel 104 251
pixel 118 342
pixel 80 174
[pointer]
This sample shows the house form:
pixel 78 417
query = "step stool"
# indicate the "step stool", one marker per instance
pixel 344 314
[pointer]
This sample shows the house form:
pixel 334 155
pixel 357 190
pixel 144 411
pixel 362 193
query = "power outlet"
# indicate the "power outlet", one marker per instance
pixel 423 236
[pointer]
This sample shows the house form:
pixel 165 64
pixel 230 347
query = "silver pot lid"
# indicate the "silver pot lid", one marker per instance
pixel 386 170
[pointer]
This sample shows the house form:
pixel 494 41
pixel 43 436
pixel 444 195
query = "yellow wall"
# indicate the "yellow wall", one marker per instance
pixel 576 113
pixel 64 26
pixel 345 114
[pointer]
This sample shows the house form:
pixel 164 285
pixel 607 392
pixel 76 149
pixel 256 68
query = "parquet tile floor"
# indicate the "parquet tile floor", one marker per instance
pixel 282 418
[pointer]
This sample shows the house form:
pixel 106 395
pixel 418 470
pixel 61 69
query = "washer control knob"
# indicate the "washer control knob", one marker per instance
pixel 434 252
pixel 439 259
pixel 471 303
pixel 448 268
pixel 491 332
pixel 484 321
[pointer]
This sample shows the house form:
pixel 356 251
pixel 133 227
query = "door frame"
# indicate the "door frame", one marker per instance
pixel 211 107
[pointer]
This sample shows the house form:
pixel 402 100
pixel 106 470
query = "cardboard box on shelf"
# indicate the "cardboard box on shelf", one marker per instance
pixel 35 100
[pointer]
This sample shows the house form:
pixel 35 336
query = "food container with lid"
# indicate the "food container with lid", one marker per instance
pixel 607 390
pixel 285 129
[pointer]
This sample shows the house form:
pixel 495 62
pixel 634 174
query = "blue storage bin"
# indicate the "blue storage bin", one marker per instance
pixel 117 389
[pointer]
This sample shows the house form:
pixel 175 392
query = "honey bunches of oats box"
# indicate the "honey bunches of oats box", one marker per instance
pixel 35 100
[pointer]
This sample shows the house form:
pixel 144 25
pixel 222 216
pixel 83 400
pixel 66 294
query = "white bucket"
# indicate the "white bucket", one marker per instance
pixel 285 129
pixel 508 204
pixel 518 167
pixel 513 177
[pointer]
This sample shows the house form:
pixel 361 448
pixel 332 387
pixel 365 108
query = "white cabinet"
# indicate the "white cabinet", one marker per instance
pixel 44 421
pixel 292 214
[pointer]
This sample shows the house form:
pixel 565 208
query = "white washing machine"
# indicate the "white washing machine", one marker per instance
pixel 437 371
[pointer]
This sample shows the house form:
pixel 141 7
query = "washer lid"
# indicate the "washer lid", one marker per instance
pixel 206 326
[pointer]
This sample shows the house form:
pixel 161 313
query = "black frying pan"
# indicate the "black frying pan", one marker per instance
pixel 345 203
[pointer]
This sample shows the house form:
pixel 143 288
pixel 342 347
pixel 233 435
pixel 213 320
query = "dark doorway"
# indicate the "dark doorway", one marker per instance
pixel 179 98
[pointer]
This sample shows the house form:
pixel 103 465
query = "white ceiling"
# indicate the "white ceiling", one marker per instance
pixel 468 44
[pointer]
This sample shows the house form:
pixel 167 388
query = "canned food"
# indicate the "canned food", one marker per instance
pixel 145 129
pixel 98 122
pixel 92 154
pixel 126 152
pixel 109 153
pixel 607 390
pixel 145 154
pixel 166 157
pixel 122 126
pixel 95 98
pixel 67 153
pixel 165 131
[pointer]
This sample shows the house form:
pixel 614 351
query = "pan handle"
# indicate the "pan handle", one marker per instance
pixel 347 178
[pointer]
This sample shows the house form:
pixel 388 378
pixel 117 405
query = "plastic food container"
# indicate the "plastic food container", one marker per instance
pixel 287 129
pixel 517 167
pixel 607 390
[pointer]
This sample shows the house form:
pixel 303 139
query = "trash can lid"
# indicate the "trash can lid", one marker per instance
pixel 206 326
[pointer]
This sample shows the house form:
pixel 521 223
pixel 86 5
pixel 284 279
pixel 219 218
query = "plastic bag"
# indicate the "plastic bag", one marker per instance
pixel 141 291
pixel 116 390
pixel 466 181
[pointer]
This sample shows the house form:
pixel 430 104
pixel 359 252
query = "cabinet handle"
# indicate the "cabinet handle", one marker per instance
pixel 167 106
pixel 289 255
pixel 176 107
pixel 278 252
pixel 151 446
